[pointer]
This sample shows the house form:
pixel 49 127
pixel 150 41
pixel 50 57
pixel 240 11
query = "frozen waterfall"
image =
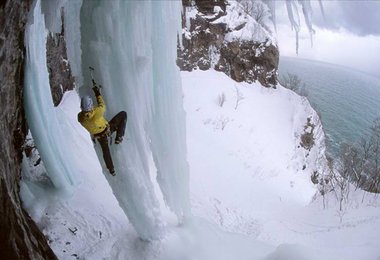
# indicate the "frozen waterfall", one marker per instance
pixel 50 138
pixel 132 46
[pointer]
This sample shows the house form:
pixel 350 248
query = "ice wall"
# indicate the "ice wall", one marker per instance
pixel 45 126
pixel 167 131
pixel 132 46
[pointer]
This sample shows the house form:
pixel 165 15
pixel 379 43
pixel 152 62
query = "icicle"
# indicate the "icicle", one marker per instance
pixel 52 12
pixel 293 18
pixel 168 134
pixel 307 13
pixel 272 7
pixel 73 38
pixel 42 117
pixel 322 9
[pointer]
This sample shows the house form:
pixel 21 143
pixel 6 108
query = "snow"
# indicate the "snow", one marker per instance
pixel 267 156
pixel 249 197
pixel 251 31
pixel 237 166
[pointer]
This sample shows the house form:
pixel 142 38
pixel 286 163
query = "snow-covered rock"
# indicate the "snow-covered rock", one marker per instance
pixel 60 76
pixel 229 40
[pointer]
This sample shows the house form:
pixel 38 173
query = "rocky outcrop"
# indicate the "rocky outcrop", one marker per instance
pixel 60 76
pixel 206 6
pixel 20 238
pixel 228 40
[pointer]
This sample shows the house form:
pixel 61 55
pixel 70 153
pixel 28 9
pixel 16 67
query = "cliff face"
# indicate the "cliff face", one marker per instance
pixel 60 77
pixel 19 236
pixel 221 35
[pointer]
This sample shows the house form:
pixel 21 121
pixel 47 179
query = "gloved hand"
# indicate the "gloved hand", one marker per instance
pixel 96 91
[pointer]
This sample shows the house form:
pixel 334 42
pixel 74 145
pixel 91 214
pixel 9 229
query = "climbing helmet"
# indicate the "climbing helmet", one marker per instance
pixel 86 103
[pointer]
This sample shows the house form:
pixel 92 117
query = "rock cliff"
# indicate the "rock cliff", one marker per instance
pixel 19 236
pixel 60 76
pixel 223 36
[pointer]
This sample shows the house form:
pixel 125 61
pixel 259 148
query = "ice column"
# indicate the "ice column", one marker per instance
pixel 127 44
pixel 40 111
pixel 167 131
pixel 132 46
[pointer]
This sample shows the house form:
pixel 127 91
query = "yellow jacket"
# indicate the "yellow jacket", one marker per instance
pixel 94 120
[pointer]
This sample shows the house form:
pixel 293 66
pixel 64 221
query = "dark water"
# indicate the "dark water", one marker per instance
pixel 348 100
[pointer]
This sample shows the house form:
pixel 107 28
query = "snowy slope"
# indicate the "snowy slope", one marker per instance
pixel 248 178
pixel 250 197
pixel 246 162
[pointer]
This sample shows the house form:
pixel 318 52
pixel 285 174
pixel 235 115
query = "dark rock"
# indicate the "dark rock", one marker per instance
pixel 307 138
pixel 207 6
pixel 20 238
pixel 60 76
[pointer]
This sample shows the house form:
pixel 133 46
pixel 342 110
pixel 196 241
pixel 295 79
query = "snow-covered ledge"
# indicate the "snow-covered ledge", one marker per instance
pixel 245 153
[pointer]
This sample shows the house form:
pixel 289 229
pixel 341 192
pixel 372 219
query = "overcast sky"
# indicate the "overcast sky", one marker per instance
pixel 349 35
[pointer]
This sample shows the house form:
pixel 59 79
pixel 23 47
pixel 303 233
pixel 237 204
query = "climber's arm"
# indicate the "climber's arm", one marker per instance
pixel 99 98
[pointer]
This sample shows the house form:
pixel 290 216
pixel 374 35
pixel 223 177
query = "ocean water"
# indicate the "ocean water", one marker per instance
pixel 348 100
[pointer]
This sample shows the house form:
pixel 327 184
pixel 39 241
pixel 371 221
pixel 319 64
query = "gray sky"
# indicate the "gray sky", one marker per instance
pixel 350 35
pixel 358 17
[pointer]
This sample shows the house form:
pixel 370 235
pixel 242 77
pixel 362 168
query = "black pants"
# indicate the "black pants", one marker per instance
pixel 117 124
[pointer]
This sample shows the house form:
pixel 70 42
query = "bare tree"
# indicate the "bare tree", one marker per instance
pixel 360 162
pixel 239 97
pixel 357 165
pixel 247 6
pixel 257 9
pixel 294 83
pixel 259 12
pixel 221 100
pixel 374 157
pixel 221 122
pixel 341 187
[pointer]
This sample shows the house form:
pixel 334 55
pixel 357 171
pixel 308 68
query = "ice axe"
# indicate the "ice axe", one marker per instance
pixel 92 76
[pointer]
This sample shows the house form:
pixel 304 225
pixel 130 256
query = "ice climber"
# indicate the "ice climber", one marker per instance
pixel 92 118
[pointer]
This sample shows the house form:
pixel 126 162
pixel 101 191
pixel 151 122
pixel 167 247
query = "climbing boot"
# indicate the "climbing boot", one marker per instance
pixel 118 140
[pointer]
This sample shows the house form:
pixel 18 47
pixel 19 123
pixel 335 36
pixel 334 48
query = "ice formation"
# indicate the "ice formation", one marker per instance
pixel 132 46
pixel 45 125
pixel 294 17
pixel 292 7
